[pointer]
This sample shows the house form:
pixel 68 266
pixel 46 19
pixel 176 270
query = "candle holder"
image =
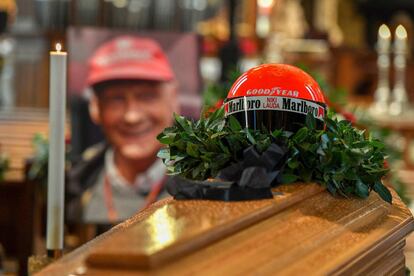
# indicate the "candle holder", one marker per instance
pixel 36 263
pixel 399 103
pixel 382 93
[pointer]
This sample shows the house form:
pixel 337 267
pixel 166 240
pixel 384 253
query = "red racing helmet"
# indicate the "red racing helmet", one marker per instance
pixel 275 96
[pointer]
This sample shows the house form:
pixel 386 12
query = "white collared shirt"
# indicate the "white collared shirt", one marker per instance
pixel 127 198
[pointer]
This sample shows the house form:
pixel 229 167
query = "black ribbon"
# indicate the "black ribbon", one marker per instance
pixel 249 179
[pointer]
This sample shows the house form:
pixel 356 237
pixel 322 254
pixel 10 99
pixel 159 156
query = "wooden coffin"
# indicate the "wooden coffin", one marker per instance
pixel 303 230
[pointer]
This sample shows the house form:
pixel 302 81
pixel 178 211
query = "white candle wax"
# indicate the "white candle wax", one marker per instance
pixel 56 169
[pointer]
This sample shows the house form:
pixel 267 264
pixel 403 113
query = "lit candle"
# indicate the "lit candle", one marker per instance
pixel 399 102
pixel 400 43
pixel 384 39
pixel 56 169
pixel 382 93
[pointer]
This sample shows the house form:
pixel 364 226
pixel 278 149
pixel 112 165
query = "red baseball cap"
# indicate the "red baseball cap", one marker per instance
pixel 129 57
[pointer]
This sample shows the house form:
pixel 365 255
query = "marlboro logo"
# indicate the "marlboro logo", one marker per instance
pixel 275 103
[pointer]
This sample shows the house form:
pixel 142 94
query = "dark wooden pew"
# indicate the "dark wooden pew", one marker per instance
pixel 17 129
pixel 17 220
pixel 19 212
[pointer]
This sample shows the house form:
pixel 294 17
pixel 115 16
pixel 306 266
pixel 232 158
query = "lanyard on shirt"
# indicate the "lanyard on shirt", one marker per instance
pixel 150 198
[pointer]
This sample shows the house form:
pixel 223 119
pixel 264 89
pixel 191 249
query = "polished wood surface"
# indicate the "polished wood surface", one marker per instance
pixel 183 226
pixel 303 230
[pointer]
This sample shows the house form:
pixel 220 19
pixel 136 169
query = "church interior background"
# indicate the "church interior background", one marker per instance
pixel 359 51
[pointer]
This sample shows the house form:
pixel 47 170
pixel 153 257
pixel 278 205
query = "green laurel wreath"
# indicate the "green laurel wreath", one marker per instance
pixel 342 158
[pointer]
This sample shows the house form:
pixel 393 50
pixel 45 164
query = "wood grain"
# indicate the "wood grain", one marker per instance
pixel 184 226
pixel 316 235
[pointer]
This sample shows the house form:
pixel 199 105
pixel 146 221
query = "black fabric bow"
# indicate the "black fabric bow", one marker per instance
pixel 249 179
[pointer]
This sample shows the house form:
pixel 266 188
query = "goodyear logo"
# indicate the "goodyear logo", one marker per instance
pixel 272 91
pixel 275 103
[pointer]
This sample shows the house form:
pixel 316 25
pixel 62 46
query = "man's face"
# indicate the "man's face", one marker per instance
pixel 133 113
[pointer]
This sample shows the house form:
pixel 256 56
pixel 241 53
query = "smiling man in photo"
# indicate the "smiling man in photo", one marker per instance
pixel 133 100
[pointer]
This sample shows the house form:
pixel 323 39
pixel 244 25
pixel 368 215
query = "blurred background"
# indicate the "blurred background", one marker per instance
pixel 209 43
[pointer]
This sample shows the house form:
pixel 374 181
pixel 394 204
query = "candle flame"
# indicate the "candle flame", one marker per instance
pixel 400 32
pixel 58 47
pixel 384 31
